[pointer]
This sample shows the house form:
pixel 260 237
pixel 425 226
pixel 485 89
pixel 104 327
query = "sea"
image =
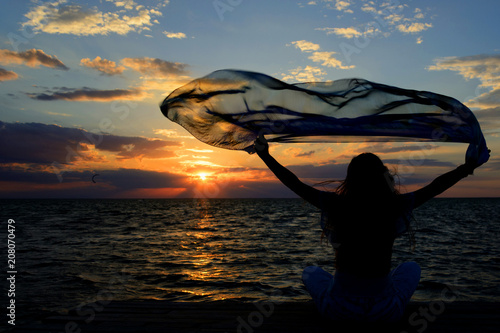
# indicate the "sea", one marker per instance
pixel 69 253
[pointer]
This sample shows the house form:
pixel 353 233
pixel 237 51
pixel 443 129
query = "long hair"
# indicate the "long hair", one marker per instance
pixel 371 186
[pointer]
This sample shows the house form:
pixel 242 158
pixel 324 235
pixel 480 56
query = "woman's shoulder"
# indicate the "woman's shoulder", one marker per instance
pixel 407 199
pixel 328 199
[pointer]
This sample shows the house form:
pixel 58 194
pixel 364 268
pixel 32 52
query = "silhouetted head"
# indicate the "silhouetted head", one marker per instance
pixel 367 175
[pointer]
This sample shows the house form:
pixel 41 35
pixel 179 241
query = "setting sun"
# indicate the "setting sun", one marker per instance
pixel 203 176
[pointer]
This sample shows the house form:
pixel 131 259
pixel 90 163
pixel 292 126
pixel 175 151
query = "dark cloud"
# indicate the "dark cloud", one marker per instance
pixel 422 147
pixel 405 168
pixel 326 171
pixel 253 189
pixel 89 94
pixel 20 175
pixel 38 143
pixel 134 178
pixel 32 58
pixel 425 162
pixel 489 99
pixel 487 114
pixel 131 147
pixel 78 184
pixel 493 165
pixel 489 119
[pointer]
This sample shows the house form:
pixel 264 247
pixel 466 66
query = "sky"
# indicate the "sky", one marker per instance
pixel 81 83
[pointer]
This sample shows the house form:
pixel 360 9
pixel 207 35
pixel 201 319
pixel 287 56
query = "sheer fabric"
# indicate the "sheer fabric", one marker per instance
pixel 229 108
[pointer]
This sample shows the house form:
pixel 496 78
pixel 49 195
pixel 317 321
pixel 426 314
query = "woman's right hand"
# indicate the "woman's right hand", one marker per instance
pixel 261 146
pixel 474 159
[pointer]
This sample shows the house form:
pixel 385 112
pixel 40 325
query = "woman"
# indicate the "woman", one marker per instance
pixel 361 219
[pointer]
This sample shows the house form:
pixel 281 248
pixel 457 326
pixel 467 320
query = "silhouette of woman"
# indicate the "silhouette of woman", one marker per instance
pixel 361 219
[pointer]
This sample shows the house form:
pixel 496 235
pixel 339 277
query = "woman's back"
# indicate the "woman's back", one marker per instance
pixel 363 235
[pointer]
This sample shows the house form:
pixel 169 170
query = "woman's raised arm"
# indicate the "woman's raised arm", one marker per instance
pixel 444 182
pixel 305 191
pixel 441 184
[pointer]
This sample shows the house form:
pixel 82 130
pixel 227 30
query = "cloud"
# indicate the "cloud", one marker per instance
pixel 136 147
pixel 6 75
pixel 204 151
pixel 368 8
pixel 426 162
pixel 327 171
pixel 306 154
pixel 159 74
pixel 155 67
pixel 58 17
pixel 378 18
pixel 111 183
pixel 58 114
pixel 31 58
pixel 489 120
pixel 307 74
pixel 128 4
pixel 342 32
pixel 90 94
pixel 486 100
pixel 171 133
pixel 342 6
pixel 178 35
pixel 352 32
pixel 134 178
pixel 485 68
pixel 102 65
pixel 306 46
pixel 36 143
pixel 392 147
pixel 413 27
pixel 326 59
pixel 418 13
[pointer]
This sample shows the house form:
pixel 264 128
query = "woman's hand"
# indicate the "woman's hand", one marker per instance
pixel 261 146
pixel 473 162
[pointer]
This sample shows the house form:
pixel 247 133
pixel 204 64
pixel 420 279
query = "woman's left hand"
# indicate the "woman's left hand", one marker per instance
pixel 261 145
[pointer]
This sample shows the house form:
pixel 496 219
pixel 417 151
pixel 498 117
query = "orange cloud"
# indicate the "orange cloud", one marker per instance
pixel 31 58
pixel 103 65
pixel 6 75
pixel 156 67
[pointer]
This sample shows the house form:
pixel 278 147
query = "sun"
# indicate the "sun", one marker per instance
pixel 203 176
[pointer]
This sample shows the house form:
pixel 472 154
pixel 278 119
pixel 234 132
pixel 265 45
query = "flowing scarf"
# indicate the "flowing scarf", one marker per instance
pixel 229 108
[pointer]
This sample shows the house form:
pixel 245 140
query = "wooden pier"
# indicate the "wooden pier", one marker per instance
pixel 231 316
